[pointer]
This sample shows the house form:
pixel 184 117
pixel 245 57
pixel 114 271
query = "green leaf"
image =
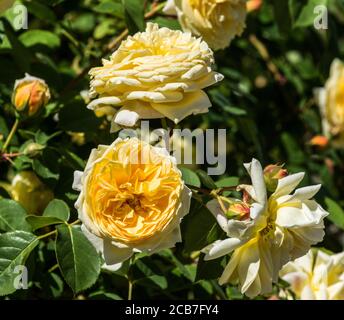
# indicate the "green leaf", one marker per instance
pixel 34 37
pixel 22 56
pixel 198 227
pixel 83 23
pixel 307 15
pixel 170 23
pixel 150 276
pixel 227 182
pixel 75 117
pixel 336 213
pixel 56 212
pixel 110 7
pixel 43 171
pixel 41 11
pixel 282 17
pixel 134 15
pixel 40 222
pixel 78 260
pixel 15 248
pixel 208 270
pixel 206 180
pixel 47 166
pixel 101 295
pixel 12 216
pixel 190 178
pixel 57 209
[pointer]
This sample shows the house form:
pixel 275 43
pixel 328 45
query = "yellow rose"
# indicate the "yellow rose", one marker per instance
pixel 331 103
pixel 132 199
pixel 316 276
pixel 279 228
pixel 155 74
pixel 30 192
pixel 30 94
pixel 217 21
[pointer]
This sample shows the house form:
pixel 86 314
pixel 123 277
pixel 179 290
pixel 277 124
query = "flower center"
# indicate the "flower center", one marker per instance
pixel 131 202
pixel 268 230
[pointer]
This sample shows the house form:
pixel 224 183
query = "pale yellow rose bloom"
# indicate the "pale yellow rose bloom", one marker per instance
pixel 331 102
pixel 216 21
pixel 154 74
pixel 132 199
pixel 316 276
pixel 279 228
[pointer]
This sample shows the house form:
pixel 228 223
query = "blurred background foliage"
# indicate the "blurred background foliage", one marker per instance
pixel 265 102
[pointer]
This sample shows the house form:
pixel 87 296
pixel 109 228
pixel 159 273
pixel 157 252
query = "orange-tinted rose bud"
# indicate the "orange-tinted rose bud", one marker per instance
pixel 252 5
pixel 238 210
pixel 30 94
pixel 272 173
pixel 319 141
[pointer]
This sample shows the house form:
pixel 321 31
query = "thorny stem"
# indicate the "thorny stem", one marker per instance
pixel 10 136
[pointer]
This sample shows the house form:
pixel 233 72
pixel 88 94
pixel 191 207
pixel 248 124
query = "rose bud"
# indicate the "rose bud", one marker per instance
pixel 30 94
pixel 272 173
pixel 238 210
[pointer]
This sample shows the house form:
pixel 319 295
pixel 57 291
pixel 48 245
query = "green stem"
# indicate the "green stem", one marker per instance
pixel 10 136
pixel 55 231
pixel 47 234
pixel 130 289
pixel 164 124
pixel 130 282
pixel 54 267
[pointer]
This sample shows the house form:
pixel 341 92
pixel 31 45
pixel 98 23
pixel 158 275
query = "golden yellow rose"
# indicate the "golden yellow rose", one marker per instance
pixel 155 74
pixel 132 199
pixel 30 94
pixel 217 21
pixel 316 276
pixel 331 103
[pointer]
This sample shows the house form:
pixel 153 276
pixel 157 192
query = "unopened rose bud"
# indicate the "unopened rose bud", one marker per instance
pixel 238 210
pixel 272 173
pixel 253 5
pixel 30 192
pixel 33 149
pixel 319 141
pixel 30 94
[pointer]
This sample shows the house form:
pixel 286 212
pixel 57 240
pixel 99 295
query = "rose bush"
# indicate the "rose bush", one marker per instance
pixel 102 105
